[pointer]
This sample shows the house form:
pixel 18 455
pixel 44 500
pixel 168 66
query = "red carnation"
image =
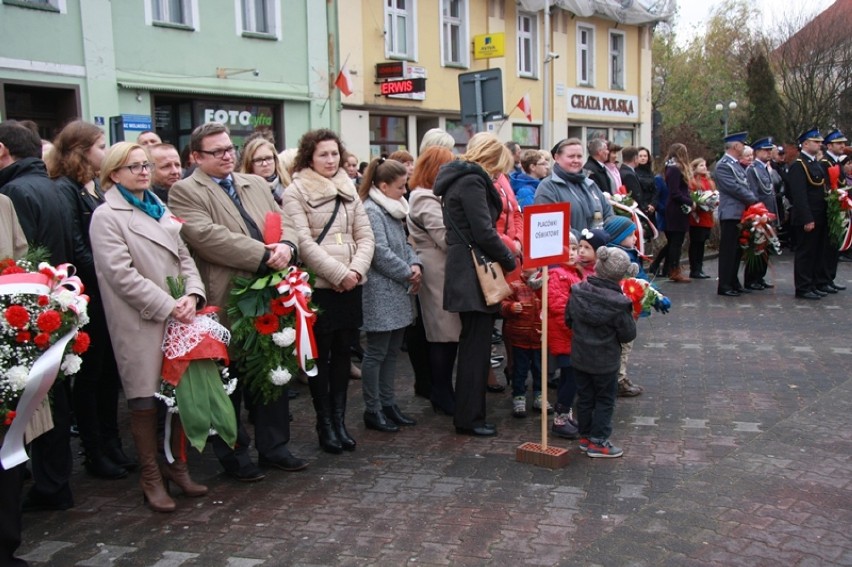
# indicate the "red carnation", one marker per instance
pixel 277 306
pixel 49 321
pixel 47 272
pixel 10 415
pixel 42 340
pixel 81 343
pixel 23 337
pixel 17 316
pixel 13 269
pixel 266 324
pixel 43 300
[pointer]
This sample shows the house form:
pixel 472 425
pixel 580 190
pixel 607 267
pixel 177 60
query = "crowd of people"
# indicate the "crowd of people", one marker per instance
pixel 389 246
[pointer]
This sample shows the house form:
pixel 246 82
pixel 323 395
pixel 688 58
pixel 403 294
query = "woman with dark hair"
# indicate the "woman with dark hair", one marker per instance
pixel 472 206
pixel 393 280
pixel 428 236
pixel 260 158
pixel 678 179
pixel 647 198
pixel 336 243
pixel 74 164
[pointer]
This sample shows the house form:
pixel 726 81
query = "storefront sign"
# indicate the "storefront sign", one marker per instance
pixel 582 101
pixel 412 72
pixel 234 117
pixel 489 45
pixel 392 70
pixel 136 122
pixel 403 86
pixel 241 119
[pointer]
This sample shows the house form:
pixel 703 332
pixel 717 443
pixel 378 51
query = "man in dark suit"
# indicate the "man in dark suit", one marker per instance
pixel 806 178
pixel 734 197
pixel 629 160
pixel 835 144
pixel 224 213
pixel 598 152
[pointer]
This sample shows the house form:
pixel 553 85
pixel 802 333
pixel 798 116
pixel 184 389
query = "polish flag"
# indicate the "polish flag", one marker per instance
pixel 526 106
pixel 344 81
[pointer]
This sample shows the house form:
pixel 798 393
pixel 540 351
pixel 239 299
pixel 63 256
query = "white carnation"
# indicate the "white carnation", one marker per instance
pixel 17 377
pixel 280 376
pixel 65 298
pixel 285 337
pixel 71 364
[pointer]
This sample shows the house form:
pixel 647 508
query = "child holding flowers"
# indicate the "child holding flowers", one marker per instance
pixel 706 199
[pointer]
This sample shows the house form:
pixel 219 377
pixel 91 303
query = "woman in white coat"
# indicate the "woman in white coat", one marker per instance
pixel 139 246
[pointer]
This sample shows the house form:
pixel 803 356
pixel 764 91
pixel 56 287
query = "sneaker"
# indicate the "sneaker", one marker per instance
pixel 519 406
pixel 627 389
pixel 562 426
pixel 603 449
pixel 537 404
pixel 583 444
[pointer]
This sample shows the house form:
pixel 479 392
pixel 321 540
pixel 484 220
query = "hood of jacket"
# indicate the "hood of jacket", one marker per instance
pixel 318 189
pixel 453 171
pixel 598 301
pixel 26 166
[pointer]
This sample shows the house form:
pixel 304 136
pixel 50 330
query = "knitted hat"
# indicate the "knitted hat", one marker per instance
pixel 597 237
pixel 619 228
pixel 614 264
pixel 574 237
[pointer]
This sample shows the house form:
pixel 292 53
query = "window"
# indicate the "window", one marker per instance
pixel 461 133
pixel 387 134
pixel 585 55
pixel 46 5
pixel 257 16
pixel 616 60
pixel 527 44
pixel 527 136
pixel 399 29
pixel 622 137
pixel 174 12
pixel 454 32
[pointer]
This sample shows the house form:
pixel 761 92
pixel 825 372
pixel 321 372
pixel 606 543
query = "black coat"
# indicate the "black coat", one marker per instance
pixel 82 205
pixel 806 184
pixel 472 203
pixel 598 174
pixel 601 317
pixel 43 214
pixel 647 188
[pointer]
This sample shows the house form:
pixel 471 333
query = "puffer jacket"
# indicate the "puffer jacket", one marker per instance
pixel 601 317
pixel 348 245
pixel 522 330
pixel 559 281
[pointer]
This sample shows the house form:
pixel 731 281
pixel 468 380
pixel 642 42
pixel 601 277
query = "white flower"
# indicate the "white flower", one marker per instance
pixel 231 386
pixel 285 337
pixel 17 377
pixel 65 298
pixel 71 364
pixel 280 376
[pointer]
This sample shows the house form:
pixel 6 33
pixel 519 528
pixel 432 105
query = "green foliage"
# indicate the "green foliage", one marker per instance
pixel 766 117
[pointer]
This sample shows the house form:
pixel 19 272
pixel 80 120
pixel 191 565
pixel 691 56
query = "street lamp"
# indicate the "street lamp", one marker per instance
pixel 725 109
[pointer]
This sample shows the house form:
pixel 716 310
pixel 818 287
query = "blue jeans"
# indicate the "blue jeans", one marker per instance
pixel 595 403
pixel 524 360
pixel 567 387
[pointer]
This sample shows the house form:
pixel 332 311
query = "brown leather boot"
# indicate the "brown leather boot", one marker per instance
pixel 143 427
pixel 177 472
pixel 678 276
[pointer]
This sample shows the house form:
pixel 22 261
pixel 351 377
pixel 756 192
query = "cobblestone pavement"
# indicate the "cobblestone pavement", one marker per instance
pixel 738 453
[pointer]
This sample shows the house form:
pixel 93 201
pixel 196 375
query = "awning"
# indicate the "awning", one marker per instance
pixel 631 12
pixel 264 91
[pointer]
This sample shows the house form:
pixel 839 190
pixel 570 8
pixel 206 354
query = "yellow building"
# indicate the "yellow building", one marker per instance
pixel 584 66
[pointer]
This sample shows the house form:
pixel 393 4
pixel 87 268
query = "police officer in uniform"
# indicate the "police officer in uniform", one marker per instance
pixel 806 188
pixel 760 183
pixel 734 196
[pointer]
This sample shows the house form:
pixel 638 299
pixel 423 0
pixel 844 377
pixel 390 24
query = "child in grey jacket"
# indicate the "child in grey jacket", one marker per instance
pixel 601 317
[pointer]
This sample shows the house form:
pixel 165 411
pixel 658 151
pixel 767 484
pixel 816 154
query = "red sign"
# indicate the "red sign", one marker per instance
pixel 391 70
pixel 547 228
pixel 403 86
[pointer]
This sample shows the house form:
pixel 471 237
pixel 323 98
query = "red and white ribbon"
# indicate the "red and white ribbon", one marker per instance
pixel 297 292
pixel 637 216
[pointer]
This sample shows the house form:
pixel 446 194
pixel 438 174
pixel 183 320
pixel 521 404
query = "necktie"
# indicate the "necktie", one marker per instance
pixel 229 189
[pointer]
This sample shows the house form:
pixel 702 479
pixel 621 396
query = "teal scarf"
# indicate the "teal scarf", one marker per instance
pixel 151 206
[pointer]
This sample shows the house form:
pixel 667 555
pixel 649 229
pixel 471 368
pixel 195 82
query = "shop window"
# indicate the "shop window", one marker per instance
pixel 585 55
pixel 528 136
pixel 616 60
pixel 399 29
pixel 527 44
pixel 622 137
pixel 174 13
pixel 454 32
pixel 45 5
pixel 259 18
pixel 593 133
pixel 461 133
pixel 388 134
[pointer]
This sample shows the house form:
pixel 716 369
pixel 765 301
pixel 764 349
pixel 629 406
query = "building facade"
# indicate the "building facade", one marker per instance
pixel 584 76
pixel 167 65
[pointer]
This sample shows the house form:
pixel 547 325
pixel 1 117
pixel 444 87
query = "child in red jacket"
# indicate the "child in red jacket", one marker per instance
pixel 522 329
pixel 560 279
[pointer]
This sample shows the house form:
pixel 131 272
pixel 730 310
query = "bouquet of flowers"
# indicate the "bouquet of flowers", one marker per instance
pixel 839 211
pixel 42 309
pixel 757 236
pixel 622 196
pixel 644 297
pixel 705 200
pixel 195 376
pixel 269 314
pixel 623 205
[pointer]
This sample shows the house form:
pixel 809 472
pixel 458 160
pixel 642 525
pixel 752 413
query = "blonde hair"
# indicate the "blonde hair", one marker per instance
pixel 246 166
pixel 116 158
pixel 488 152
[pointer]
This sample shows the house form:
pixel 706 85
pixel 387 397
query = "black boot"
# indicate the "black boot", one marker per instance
pixel 378 422
pixel 112 448
pixel 100 466
pixel 396 416
pixel 338 421
pixel 328 440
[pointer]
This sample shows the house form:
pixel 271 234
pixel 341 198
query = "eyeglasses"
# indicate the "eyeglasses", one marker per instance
pixel 220 153
pixel 263 160
pixel 137 168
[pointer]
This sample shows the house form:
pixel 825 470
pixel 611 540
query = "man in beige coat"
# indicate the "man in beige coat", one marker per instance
pixel 224 214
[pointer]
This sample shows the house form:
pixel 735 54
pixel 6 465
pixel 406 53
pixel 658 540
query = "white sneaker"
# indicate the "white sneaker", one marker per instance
pixel 519 406
pixel 537 404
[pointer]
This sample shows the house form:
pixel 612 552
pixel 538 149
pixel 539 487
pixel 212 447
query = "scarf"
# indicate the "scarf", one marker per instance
pixel 573 178
pixel 397 208
pixel 150 205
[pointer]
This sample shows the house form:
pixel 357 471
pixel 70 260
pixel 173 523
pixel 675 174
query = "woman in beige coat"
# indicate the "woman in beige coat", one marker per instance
pixel 336 244
pixel 139 246
pixel 428 235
